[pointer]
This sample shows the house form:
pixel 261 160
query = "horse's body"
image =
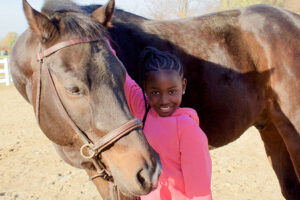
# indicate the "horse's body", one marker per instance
pixel 243 69
pixel 77 93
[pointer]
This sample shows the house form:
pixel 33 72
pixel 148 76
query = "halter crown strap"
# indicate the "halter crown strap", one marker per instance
pixel 64 44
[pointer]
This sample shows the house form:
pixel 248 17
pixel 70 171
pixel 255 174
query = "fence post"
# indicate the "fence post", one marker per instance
pixel 6 71
pixel 7 79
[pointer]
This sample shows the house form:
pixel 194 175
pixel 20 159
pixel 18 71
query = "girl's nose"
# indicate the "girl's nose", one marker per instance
pixel 164 99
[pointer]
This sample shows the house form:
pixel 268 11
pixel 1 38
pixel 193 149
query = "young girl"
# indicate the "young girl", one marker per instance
pixel 173 132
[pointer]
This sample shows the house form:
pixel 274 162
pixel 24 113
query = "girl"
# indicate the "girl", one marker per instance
pixel 173 132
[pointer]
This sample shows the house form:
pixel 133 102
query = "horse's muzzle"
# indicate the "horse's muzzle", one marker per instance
pixel 148 177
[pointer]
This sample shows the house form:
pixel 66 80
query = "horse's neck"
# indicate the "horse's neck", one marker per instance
pixel 140 34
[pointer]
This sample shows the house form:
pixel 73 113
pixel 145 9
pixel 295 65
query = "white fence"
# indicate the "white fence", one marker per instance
pixel 4 72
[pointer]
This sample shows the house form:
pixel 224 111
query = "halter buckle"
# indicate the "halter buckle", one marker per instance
pixel 89 153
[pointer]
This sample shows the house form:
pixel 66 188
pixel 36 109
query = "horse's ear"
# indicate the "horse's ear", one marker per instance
pixel 39 24
pixel 105 13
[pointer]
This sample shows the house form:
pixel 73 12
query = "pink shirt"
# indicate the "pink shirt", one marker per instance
pixel 182 147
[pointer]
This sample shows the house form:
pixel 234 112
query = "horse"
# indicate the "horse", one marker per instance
pixel 242 68
pixel 64 66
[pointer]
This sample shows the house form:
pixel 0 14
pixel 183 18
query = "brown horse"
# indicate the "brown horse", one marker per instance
pixel 243 69
pixel 64 67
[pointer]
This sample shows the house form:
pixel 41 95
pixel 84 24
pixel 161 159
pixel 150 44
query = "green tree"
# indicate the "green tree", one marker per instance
pixel 8 41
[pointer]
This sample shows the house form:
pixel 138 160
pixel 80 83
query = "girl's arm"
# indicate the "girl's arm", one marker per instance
pixel 134 97
pixel 195 160
pixel 133 93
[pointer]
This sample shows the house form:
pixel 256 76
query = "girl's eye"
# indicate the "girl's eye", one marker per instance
pixel 74 91
pixel 154 93
pixel 172 92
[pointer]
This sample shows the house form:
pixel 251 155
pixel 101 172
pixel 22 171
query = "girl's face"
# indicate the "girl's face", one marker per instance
pixel 164 90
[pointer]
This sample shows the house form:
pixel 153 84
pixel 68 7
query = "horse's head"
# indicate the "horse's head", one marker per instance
pixel 82 91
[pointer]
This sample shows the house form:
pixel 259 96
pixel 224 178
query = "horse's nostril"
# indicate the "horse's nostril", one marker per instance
pixel 140 178
pixel 144 178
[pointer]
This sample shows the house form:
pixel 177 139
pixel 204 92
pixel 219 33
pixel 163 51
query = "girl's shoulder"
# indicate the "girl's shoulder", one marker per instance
pixel 186 116
pixel 188 124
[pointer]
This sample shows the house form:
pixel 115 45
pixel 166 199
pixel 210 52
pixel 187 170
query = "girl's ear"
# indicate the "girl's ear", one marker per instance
pixel 184 82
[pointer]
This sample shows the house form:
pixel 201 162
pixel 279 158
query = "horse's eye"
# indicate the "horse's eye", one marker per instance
pixel 74 90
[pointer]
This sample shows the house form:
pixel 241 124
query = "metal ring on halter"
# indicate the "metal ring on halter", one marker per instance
pixel 89 148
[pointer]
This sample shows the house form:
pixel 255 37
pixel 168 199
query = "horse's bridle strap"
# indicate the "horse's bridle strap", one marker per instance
pixel 93 149
pixel 116 134
pixel 64 44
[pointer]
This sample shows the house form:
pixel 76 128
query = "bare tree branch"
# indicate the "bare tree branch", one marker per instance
pixel 172 9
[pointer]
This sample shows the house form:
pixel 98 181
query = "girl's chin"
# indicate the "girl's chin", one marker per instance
pixel 164 114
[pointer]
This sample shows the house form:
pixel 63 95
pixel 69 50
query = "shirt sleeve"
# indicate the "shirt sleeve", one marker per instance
pixel 134 97
pixel 195 160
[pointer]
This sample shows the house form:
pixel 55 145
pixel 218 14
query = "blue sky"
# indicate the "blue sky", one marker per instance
pixel 13 18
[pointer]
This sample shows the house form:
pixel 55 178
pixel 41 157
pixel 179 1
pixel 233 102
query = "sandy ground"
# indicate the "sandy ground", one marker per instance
pixel 31 169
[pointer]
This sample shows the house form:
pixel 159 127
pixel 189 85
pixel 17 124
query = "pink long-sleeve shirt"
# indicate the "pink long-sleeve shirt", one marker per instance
pixel 182 147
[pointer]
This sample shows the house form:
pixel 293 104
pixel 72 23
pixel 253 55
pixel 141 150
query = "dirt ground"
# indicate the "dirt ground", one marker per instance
pixel 31 169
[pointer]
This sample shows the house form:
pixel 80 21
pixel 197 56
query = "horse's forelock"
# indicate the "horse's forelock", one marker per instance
pixel 52 6
pixel 74 19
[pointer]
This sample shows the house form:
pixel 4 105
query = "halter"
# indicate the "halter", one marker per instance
pixel 89 150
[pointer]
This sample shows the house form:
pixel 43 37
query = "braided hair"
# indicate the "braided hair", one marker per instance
pixel 152 59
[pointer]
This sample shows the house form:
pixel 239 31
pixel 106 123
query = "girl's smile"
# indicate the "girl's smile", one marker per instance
pixel 164 89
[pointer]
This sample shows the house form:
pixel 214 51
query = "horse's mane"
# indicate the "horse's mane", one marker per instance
pixel 70 17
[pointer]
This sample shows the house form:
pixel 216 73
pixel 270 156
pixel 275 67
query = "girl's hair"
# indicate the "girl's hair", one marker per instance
pixel 151 59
